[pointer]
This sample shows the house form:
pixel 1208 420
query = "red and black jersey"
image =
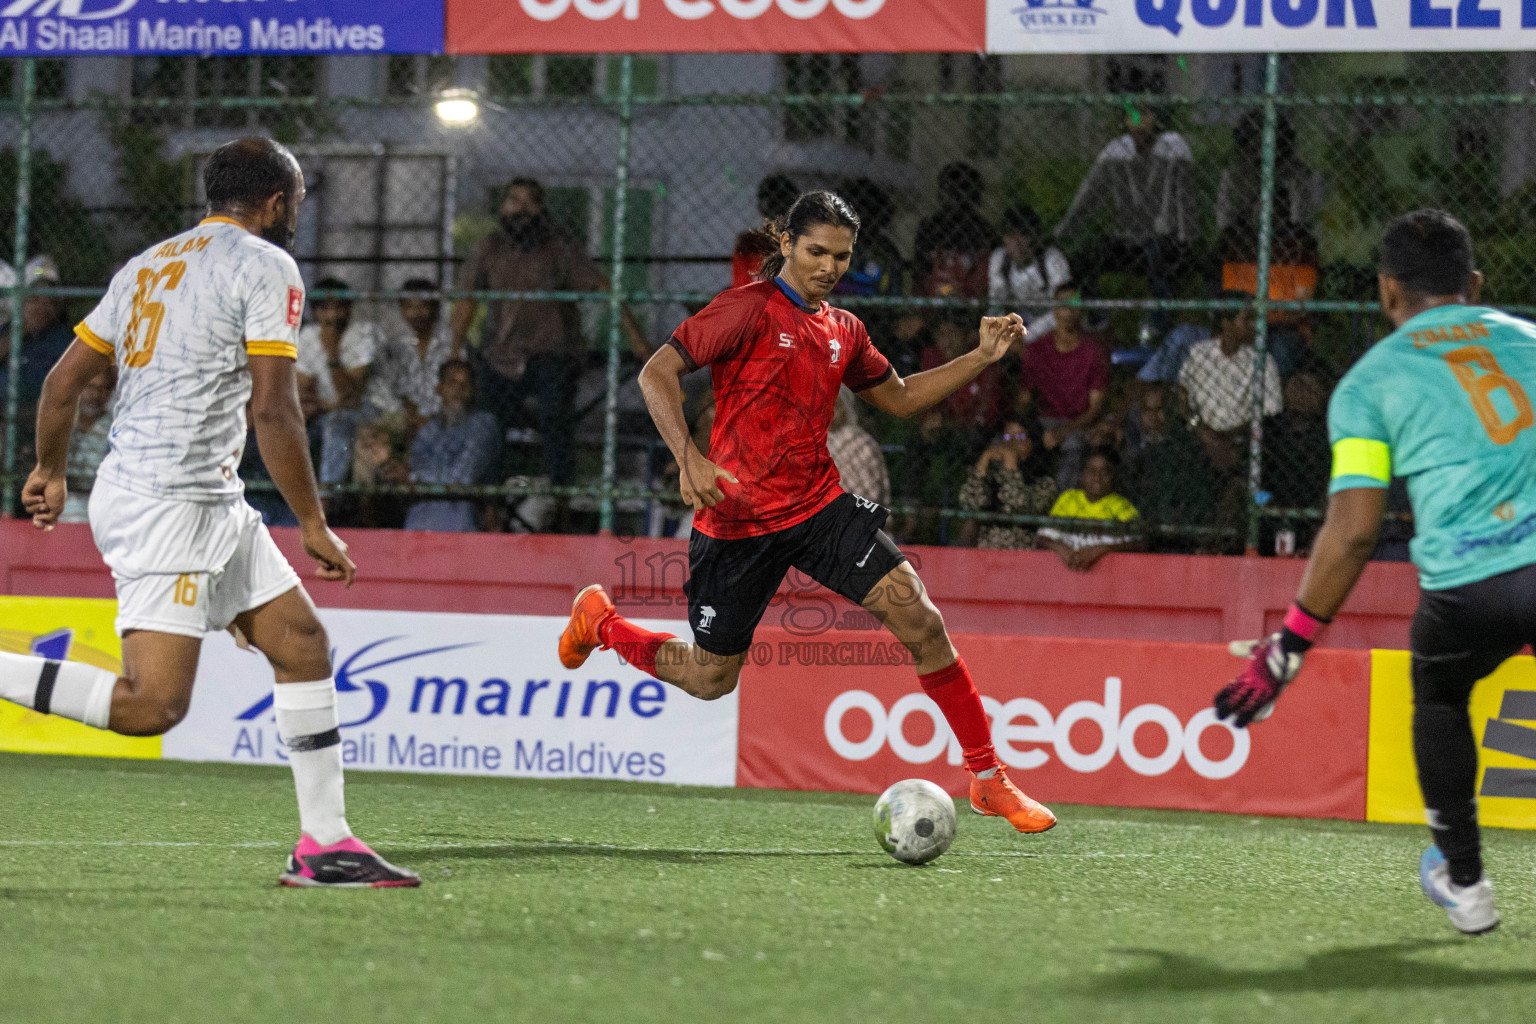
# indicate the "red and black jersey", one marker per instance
pixel 777 367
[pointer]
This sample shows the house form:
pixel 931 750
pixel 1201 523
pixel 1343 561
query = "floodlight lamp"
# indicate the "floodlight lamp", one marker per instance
pixel 457 107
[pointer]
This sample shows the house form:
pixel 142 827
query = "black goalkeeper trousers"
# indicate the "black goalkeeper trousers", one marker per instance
pixel 1460 636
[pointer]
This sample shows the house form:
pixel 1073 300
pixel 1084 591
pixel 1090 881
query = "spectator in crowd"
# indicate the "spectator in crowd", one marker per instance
pixel 336 357
pixel 45 334
pixel 1165 470
pixel 775 195
pixel 40 269
pixel 1218 385
pixel 1078 546
pixel 1298 195
pixel 1297 457
pixel 1026 270
pixel 336 351
pixel 1065 374
pixel 1146 180
pixel 1298 188
pixel 954 244
pixel 1105 433
pixel 89 443
pixel 1009 478
pixel 404 384
pixel 942 442
pixel 1292 278
pixel 532 350
pixel 976 410
pixel 878 267
pixel 856 454
pixel 1163 366
pixel 375 463
pixel 457 446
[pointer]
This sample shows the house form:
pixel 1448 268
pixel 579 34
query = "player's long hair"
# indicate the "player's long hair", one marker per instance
pixel 812 208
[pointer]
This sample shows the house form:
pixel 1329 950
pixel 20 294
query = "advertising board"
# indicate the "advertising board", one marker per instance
pixel 743 26
pixel 72 28
pixel 1258 26
pixel 471 695
pixel 1110 722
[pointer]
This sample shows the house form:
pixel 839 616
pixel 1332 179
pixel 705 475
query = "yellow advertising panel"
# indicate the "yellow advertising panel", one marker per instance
pixel 1503 722
pixel 79 629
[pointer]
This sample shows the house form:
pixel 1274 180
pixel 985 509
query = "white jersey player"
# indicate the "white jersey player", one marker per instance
pixel 199 325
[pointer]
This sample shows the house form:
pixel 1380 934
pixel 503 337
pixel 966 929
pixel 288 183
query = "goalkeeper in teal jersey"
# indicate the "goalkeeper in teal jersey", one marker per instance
pixel 1444 402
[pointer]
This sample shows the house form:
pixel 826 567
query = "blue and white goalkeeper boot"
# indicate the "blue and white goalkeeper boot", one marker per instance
pixel 1470 907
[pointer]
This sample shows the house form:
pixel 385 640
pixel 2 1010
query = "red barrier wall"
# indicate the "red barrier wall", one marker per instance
pixel 1133 597
pixel 1108 722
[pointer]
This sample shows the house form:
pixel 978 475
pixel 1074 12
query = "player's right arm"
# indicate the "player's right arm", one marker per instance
pixel 661 384
pixel 45 491
pixel 284 449
pixel 96 341
pixel 718 331
pixel 1357 500
pixel 273 300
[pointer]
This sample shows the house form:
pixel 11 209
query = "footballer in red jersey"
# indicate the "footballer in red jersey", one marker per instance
pixel 767 496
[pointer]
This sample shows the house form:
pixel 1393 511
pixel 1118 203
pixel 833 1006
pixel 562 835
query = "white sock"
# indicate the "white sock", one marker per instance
pixel 306 719
pixel 64 688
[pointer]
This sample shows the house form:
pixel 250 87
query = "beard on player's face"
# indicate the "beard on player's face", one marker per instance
pixel 285 222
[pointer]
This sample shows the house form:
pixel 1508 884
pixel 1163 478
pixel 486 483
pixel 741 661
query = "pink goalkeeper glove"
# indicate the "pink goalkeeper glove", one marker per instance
pixel 1272 664
pixel 1252 695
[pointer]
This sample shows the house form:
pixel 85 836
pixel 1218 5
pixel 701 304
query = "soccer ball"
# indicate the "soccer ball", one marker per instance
pixel 915 821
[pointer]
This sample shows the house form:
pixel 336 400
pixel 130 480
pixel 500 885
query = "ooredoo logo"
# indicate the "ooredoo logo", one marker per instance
pixel 1027 721
pixel 692 10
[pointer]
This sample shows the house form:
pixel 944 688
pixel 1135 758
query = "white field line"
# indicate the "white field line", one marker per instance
pixel 736 851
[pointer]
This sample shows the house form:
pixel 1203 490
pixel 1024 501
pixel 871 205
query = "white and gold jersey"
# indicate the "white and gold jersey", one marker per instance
pixel 180 319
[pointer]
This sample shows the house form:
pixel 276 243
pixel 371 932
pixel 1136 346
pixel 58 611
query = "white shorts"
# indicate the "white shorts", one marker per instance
pixel 185 567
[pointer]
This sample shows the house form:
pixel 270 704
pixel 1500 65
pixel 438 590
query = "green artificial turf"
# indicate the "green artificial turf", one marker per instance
pixel 145 891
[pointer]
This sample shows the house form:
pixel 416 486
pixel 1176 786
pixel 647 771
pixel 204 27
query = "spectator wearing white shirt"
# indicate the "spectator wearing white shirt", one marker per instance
pixel 1146 182
pixel 336 351
pixel 856 454
pixel 1025 269
pixel 1219 376
pixel 336 357
pixel 405 376
pixel 1218 382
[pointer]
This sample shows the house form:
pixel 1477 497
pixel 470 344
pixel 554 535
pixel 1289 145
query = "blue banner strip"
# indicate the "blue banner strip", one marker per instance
pixel 71 28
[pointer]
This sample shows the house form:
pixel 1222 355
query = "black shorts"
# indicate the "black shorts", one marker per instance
pixel 730 582
pixel 1462 634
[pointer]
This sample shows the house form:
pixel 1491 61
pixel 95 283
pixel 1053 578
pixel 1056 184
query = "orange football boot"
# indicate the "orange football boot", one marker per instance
pixel 580 637
pixel 999 797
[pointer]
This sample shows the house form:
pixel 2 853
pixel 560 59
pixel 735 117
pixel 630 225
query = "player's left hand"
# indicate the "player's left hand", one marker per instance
pixel 999 334
pixel 331 553
pixel 43 497
pixel 1252 695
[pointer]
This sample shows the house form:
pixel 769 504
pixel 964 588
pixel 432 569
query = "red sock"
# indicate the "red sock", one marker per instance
pixel 953 690
pixel 635 645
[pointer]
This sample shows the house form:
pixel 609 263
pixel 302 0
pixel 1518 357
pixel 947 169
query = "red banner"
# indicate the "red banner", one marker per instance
pixel 1110 722
pixel 713 26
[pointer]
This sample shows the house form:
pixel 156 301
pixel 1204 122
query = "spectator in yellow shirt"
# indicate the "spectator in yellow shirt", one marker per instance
pixel 1077 545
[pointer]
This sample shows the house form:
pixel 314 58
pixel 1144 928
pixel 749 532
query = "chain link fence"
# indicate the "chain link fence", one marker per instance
pixel 1192 241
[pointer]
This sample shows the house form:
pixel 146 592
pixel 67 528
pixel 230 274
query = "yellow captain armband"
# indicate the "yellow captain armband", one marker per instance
pixel 1362 457
pixel 92 339
pixel 272 348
